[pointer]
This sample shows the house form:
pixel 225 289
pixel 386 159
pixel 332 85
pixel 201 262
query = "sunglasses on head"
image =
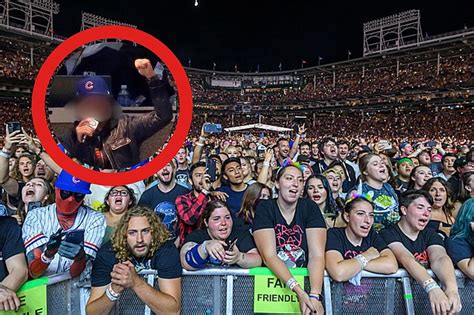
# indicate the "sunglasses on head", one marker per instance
pixel 66 194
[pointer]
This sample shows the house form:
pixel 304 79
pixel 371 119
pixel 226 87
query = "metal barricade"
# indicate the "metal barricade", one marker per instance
pixel 231 291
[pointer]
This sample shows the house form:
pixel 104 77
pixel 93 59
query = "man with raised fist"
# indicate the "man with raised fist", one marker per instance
pixel 104 138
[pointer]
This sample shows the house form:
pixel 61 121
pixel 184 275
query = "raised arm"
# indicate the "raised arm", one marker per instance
pixel 197 152
pixel 263 176
pixel 296 143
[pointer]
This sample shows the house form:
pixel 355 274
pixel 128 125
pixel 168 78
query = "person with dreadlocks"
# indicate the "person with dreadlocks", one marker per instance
pixel 66 235
pixel 140 242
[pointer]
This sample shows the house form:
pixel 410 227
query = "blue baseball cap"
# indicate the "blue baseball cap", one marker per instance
pixel 66 181
pixel 92 85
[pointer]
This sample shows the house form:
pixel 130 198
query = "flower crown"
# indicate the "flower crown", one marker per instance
pixel 288 162
pixel 355 195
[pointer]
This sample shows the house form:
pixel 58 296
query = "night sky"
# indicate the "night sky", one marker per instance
pixel 264 32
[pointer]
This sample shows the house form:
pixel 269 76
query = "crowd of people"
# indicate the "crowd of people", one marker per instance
pixel 241 202
pixel 351 82
pixel 17 65
pixel 343 192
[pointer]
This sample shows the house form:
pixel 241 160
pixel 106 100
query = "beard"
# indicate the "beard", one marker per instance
pixel 139 254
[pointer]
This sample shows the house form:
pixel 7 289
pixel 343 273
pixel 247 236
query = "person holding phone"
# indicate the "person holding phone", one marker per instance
pixel 190 206
pixel 218 242
pixel 103 138
pixel 50 248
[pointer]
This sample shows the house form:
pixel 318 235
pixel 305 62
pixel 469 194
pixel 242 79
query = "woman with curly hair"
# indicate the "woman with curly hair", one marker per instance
pixel 139 242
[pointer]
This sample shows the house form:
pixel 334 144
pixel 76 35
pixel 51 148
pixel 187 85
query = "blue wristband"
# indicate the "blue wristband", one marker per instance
pixel 193 258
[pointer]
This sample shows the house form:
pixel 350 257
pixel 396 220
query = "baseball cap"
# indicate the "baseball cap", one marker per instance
pixel 403 145
pixel 92 85
pixel 66 181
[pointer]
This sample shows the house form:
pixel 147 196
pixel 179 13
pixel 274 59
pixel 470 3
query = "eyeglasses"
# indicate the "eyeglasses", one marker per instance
pixel 66 194
pixel 119 193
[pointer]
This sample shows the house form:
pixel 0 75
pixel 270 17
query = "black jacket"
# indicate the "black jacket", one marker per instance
pixel 121 138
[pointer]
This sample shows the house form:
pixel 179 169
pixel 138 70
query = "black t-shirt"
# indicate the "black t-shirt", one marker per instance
pixel 337 240
pixel 11 242
pixel 182 176
pixel 459 249
pixel 244 239
pixel 418 247
pixel 165 261
pixel 164 205
pixel 291 242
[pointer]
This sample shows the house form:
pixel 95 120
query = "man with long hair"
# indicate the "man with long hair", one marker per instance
pixel 140 242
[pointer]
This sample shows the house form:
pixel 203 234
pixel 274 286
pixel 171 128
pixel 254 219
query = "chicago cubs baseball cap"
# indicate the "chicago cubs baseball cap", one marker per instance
pixel 66 181
pixel 93 85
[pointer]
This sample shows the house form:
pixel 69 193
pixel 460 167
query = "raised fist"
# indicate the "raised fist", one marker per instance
pixel 145 68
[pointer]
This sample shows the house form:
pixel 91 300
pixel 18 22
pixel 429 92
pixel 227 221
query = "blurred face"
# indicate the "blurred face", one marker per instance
pixel 290 184
pixel 360 218
pixel 304 150
pixel 44 171
pixel 265 193
pixel 421 176
pixel 166 174
pixel 330 150
pixel 306 172
pixel 376 169
pixel 316 191
pixel 283 148
pixel 405 168
pixel 448 164
pixel 314 149
pixel 245 166
pixel 181 156
pixel 418 213
pixel 415 161
pixel 343 151
pixel 439 194
pixel 11 164
pixel 469 167
pixel 197 178
pixel 119 200
pixel 95 106
pixel 232 152
pixel 424 159
pixel 253 146
pixel 19 151
pixel 408 149
pixel 233 172
pixel 139 236
pixel 34 190
pixel 219 224
pixel 334 181
pixel 470 185
pixel 252 163
pixel 25 166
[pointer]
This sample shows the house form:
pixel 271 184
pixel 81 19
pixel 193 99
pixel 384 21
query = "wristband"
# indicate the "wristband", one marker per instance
pixel 427 282
pixel 431 286
pixel 193 258
pixel 362 260
pixel 7 151
pixel 200 144
pixel 111 294
pixel 46 259
pixel 318 297
pixel 291 283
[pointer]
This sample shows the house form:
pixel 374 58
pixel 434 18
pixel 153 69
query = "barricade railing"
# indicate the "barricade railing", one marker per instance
pixel 231 291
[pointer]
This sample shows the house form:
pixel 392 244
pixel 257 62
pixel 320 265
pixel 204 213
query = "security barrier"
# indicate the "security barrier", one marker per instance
pixel 231 291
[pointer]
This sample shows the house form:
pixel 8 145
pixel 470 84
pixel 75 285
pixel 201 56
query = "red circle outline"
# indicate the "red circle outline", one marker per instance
pixel 66 48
